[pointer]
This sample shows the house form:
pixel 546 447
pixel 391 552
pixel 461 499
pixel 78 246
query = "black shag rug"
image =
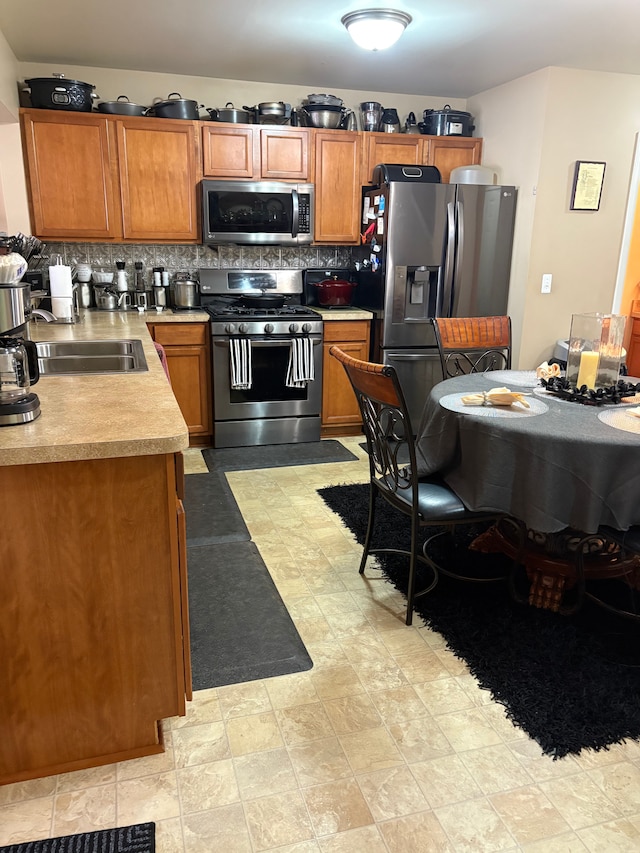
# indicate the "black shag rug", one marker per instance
pixel 140 838
pixel 571 683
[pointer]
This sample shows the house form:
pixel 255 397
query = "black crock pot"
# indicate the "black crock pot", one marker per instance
pixel 58 93
pixel 447 122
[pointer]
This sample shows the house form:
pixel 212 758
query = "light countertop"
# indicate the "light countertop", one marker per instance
pixel 101 415
pixel 109 415
pixel 343 313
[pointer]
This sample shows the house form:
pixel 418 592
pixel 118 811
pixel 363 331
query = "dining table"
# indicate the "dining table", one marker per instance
pixel 561 469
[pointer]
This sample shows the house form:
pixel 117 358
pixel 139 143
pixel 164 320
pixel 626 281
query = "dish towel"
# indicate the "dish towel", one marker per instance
pixel 163 359
pixel 300 369
pixel 240 362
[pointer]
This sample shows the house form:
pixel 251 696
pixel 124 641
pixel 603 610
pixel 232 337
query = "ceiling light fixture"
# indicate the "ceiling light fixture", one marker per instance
pixel 376 29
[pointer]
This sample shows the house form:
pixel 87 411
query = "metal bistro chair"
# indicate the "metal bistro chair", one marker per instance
pixel 473 344
pixel 428 501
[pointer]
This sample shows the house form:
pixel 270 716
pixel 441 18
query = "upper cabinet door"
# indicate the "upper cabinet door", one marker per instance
pixel 449 152
pixel 158 177
pixel 392 148
pixel 285 153
pixel 230 151
pixel 70 164
pixel 337 180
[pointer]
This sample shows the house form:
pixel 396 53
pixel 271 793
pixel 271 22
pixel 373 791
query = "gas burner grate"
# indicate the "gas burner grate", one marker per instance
pixel 227 311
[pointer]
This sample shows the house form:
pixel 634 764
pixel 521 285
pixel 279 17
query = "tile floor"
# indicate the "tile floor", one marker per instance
pixel 386 746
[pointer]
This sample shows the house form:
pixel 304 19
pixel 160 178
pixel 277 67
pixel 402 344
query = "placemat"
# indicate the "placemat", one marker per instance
pixel 454 403
pixel 523 378
pixel 620 419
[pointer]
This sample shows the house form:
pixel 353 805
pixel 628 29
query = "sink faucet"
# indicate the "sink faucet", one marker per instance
pixel 41 312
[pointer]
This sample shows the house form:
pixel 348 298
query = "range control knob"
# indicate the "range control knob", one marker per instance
pixel 230 329
pixel 306 328
pixel 243 328
pixel 268 329
pixel 293 328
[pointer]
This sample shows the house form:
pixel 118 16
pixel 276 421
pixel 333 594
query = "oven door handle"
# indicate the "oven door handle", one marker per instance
pixel 263 342
pixel 295 223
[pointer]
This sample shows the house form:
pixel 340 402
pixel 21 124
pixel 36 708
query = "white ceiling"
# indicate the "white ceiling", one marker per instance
pixel 452 48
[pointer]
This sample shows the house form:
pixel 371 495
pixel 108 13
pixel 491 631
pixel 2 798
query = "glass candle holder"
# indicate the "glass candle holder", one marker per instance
pixel 595 350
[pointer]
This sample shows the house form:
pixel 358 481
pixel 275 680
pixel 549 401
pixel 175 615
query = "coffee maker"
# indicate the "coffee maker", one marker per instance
pixel 18 355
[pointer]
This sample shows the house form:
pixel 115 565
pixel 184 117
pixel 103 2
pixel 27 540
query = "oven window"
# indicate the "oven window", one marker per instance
pixel 233 211
pixel 269 371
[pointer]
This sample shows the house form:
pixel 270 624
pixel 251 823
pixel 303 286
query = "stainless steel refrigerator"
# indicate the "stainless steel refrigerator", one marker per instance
pixel 430 250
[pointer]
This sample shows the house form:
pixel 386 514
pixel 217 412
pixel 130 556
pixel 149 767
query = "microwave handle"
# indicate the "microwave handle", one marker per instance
pixel 295 220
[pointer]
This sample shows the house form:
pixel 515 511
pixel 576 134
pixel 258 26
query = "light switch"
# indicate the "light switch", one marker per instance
pixel 546 283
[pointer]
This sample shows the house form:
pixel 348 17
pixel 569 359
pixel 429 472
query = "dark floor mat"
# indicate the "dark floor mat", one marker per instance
pixel 139 838
pixel 211 511
pixel 276 455
pixel 240 627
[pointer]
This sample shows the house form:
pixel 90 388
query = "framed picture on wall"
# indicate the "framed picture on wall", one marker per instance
pixel 587 185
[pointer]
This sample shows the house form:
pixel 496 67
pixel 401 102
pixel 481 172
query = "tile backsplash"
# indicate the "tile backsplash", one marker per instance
pixel 181 258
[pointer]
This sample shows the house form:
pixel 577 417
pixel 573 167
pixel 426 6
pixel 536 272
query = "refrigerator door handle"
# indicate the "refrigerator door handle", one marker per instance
pixel 295 213
pixel 449 257
pixel 459 242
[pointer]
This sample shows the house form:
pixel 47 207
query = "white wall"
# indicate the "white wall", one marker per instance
pixel 142 87
pixel 580 248
pixel 14 210
pixel 536 128
pixel 510 119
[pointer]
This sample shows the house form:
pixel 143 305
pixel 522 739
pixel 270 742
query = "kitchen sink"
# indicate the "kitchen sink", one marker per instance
pixel 56 358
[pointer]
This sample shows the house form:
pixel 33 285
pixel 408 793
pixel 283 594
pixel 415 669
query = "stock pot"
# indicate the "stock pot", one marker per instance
pixel 335 292
pixel 230 114
pixel 176 107
pixel 122 106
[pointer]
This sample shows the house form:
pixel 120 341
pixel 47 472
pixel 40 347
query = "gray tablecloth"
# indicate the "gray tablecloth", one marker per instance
pixel 562 468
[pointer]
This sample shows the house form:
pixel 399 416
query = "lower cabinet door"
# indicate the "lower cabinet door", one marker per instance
pixel 188 351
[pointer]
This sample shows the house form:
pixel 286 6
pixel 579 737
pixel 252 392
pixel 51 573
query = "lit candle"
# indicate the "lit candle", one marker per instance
pixel 588 369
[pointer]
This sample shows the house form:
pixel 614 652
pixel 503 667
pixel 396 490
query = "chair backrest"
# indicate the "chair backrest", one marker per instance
pixel 473 344
pixel 385 421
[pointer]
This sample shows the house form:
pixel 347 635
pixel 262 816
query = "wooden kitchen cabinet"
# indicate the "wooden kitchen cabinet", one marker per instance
pixel 449 152
pixel 187 347
pixel 256 153
pixel 340 412
pixel 94 633
pixel 410 150
pixel 95 177
pixel 444 152
pixel 338 187
pixel 72 178
pixel 158 178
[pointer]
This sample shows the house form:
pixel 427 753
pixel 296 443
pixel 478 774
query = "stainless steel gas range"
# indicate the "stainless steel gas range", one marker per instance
pixel 266 357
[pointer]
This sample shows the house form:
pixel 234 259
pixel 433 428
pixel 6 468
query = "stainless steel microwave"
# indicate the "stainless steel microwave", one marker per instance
pixel 255 212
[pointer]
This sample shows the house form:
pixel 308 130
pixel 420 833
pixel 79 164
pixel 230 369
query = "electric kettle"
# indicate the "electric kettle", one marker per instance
pixel 18 372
